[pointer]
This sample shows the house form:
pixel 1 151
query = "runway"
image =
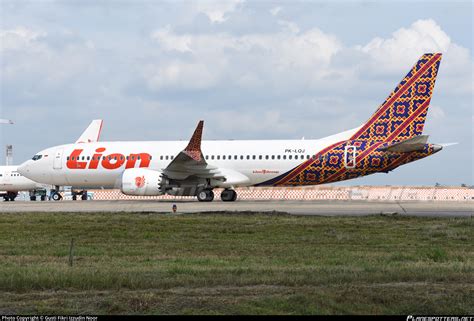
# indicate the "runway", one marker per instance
pixel 324 208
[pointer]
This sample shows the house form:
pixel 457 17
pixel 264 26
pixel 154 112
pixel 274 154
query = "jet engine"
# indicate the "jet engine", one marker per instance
pixel 142 182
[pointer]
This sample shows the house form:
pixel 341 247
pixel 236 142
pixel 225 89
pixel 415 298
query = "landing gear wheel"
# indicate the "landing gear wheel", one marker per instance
pixel 74 197
pixel 205 195
pixel 33 198
pixel 84 196
pixel 228 195
pixel 43 197
pixel 56 196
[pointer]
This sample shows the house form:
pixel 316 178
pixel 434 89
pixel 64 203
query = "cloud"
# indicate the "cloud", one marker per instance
pixel 407 44
pixel 275 11
pixel 219 57
pixel 217 10
pixel 19 38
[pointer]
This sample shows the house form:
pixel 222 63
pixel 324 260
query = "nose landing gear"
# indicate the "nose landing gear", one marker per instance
pixel 55 196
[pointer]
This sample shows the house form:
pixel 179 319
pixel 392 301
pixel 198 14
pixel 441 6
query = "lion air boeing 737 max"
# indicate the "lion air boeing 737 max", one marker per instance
pixel 390 138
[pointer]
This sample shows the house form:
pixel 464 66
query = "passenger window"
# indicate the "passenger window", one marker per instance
pixel 166 157
pixel 138 157
pixel 266 156
pixel 207 156
pixel 235 156
pixel 241 156
pixel 254 157
pixel 278 156
pixel 260 157
pixel 248 157
pixel 230 157
pixel 218 157
pixel 212 157
pixel 223 157
pixel 284 156
pixel 171 156
pixel 290 156
pixel 273 156
pixel 67 158
pixel 151 157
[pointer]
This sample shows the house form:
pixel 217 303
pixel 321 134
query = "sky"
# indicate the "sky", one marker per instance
pixel 249 69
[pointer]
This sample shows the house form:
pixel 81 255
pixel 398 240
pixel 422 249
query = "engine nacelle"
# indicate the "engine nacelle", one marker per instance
pixel 141 182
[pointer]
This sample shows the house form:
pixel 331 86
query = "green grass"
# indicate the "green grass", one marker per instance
pixel 235 263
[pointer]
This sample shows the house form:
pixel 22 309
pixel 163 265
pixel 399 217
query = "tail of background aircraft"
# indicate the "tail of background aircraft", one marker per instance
pixel 402 115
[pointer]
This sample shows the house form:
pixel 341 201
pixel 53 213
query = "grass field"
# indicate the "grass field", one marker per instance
pixel 235 264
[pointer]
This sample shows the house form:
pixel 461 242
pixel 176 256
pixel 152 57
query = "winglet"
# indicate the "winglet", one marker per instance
pixel 92 133
pixel 193 149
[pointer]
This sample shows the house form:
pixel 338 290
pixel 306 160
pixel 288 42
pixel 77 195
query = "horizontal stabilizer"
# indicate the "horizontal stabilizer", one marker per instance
pixel 408 145
pixel 92 133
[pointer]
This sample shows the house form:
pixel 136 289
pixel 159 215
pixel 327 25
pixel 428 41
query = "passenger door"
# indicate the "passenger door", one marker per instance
pixel 58 159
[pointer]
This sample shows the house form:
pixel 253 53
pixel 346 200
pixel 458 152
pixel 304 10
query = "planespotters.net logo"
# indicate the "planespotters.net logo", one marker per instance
pixel 439 318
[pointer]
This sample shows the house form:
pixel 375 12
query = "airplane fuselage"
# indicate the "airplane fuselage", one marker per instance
pixel 263 162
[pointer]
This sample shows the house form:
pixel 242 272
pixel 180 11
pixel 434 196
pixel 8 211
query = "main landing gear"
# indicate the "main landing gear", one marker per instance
pixel 228 195
pixel 10 196
pixel 207 195
pixel 83 195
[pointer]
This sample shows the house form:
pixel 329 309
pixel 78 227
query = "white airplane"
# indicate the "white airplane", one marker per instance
pixel 12 182
pixel 390 138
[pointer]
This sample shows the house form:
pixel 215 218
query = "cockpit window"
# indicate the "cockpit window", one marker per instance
pixel 36 157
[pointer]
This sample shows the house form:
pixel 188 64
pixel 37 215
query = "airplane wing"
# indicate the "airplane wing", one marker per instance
pixel 409 145
pixel 190 161
pixel 92 133
pixel 6 121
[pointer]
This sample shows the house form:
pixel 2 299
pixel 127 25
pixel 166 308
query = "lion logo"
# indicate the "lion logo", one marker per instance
pixel 140 181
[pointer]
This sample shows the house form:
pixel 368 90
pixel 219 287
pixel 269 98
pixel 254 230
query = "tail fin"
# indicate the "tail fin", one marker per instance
pixel 402 115
pixel 92 133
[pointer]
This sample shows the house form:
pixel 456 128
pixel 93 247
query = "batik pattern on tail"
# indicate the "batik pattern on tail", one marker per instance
pixel 402 115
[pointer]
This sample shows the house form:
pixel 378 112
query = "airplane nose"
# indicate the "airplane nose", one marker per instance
pixel 24 168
